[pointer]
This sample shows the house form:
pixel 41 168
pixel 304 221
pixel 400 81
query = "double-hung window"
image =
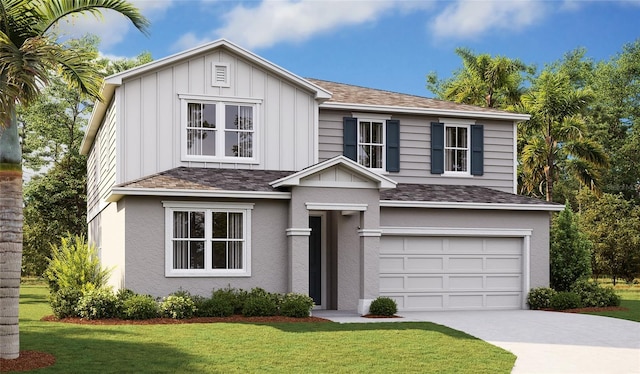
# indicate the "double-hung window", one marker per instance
pixel 216 130
pixel 456 149
pixel 371 143
pixel 208 239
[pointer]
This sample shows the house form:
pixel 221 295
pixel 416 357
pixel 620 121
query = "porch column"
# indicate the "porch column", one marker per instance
pixel 298 243
pixel 369 234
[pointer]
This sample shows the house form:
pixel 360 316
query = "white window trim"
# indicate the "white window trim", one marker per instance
pixel 172 206
pixel 467 126
pixel 186 99
pixel 373 118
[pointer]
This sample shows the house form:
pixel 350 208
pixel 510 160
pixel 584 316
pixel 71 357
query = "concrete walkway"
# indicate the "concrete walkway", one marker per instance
pixel 544 342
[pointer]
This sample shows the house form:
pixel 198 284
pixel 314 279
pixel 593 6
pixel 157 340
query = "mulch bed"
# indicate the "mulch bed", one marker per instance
pixel 596 309
pixel 28 360
pixel 379 316
pixel 171 321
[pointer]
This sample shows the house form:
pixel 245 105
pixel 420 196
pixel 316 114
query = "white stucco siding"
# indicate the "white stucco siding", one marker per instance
pixel 145 242
pixel 537 222
pixel 415 150
pixel 112 243
pixel 150 119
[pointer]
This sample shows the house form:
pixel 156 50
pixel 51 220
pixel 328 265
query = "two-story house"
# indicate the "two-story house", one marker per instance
pixel 214 168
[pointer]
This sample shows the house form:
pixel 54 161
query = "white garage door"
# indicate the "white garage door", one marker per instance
pixel 452 273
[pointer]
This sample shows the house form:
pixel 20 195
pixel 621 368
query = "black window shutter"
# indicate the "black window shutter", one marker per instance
pixel 393 145
pixel 350 138
pixel 437 148
pixel 477 150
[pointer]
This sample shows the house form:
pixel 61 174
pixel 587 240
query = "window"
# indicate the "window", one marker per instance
pixel 371 143
pixel 207 240
pixel 217 130
pixel 456 149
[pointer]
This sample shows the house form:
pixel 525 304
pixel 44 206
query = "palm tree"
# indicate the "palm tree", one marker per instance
pixel 492 82
pixel 28 53
pixel 554 137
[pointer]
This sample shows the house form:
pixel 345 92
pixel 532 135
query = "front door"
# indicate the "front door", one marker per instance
pixel 315 259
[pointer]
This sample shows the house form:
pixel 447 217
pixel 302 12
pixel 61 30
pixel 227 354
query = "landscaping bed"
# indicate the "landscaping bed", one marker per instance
pixel 167 321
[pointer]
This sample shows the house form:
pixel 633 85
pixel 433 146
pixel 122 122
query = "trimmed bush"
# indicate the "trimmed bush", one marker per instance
pixel 97 304
pixel 296 305
pixel 64 302
pixel 565 300
pixel 383 306
pixel 214 307
pixel 592 295
pixel 177 307
pixel 540 298
pixel 260 303
pixel 139 307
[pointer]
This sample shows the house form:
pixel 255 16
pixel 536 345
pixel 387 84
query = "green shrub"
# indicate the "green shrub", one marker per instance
pixel 592 295
pixel 296 305
pixel 383 306
pixel 569 252
pixel 75 264
pixel 260 303
pixel 565 300
pixel 540 298
pixel 139 307
pixel 213 306
pixel 98 304
pixel 64 302
pixel 177 307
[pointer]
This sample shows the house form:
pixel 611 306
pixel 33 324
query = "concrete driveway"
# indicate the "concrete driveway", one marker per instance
pixel 545 342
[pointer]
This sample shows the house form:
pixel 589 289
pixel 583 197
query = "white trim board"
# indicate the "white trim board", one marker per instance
pixel 455 231
pixel 119 192
pixel 458 205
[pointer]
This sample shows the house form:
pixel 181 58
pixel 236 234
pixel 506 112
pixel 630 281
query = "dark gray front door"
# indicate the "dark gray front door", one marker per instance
pixel 315 259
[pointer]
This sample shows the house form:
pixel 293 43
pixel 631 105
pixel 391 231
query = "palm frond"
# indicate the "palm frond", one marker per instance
pixel 589 151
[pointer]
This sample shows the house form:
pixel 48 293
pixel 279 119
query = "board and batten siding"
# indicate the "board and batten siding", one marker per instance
pixel 150 117
pixel 415 150
pixel 101 164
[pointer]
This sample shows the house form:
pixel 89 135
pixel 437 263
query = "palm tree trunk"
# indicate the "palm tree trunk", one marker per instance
pixel 10 238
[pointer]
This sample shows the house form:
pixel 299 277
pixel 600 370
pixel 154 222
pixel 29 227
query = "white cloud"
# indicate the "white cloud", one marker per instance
pixel 112 27
pixel 470 19
pixel 294 21
pixel 188 41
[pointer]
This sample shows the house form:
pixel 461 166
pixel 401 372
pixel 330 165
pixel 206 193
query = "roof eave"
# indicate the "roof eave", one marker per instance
pixel 469 205
pixel 118 193
pixel 426 111
pixel 99 109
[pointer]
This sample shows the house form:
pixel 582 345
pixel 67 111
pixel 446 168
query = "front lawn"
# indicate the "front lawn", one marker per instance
pixel 253 347
pixel 630 295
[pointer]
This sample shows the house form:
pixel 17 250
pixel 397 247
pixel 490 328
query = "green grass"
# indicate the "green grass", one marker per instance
pixel 630 295
pixel 243 347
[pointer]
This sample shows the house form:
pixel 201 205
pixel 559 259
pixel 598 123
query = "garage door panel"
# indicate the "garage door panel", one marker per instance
pixel 463 273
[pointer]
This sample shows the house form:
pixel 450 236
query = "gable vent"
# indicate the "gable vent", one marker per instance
pixel 220 75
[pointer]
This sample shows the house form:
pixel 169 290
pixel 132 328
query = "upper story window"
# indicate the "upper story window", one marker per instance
pixel 373 141
pixel 456 148
pixel 207 239
pixel 219 130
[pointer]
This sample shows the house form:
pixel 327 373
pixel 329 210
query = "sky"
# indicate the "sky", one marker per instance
pixel 384 44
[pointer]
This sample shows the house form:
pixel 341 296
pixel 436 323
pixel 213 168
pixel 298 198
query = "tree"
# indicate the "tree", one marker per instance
pixel 493 82
pixel 28 52
pixel 570 252
pixel 612 223
pixel 555 135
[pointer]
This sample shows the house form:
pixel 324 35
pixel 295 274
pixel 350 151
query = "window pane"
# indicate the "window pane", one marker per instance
pixel 365 132
pixel 376 132
pixel 462 137
pixel 219 258
pixel 231 119
pixel 209 115
pixel 196 221
pixel 220 225
pixel 201 142
pixel 235 225
pixel 180 254
pixel 363 155
pixel 451 137
pixel 234 256
pixel 461 159
pixel 376 157
pixel 180 224
pixel 450 156
pixel 196 255
pixel 194 115
pixel 245 118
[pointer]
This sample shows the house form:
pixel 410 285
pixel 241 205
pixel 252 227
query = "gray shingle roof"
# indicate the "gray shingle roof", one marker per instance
pixel 458 194
pixel 350 94
pixel 205 179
